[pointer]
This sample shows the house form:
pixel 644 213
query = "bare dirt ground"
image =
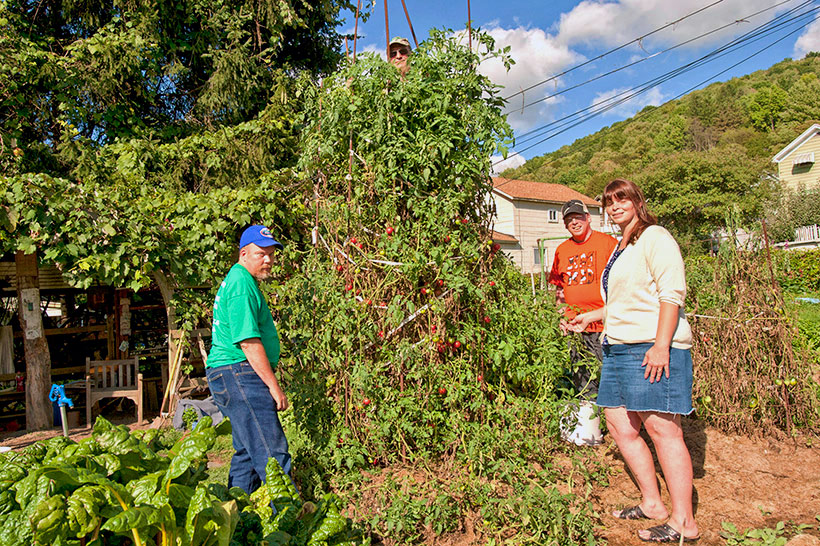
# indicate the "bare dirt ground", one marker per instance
pixel 752 483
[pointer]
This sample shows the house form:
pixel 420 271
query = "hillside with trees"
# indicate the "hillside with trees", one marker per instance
pixel 700 155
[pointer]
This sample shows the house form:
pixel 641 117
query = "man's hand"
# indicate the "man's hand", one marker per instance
pixel 258 359
pixel 279 398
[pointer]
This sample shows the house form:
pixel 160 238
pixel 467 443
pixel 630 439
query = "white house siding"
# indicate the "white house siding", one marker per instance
pixel 504 215
pixel 531 223
pixel 806 176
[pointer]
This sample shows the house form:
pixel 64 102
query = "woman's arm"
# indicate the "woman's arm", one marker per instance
pixel 580 322
pixel 656 360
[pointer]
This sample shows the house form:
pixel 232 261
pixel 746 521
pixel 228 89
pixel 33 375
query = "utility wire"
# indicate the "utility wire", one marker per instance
pixel 620 47
pixel 609 107
pixel 638 61
pixel 749 38
pixel 641 88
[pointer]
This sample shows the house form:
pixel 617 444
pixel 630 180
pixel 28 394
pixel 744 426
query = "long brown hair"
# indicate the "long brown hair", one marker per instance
pixel 620 189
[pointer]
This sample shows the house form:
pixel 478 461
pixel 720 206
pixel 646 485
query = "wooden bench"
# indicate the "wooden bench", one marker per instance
pixel 112 379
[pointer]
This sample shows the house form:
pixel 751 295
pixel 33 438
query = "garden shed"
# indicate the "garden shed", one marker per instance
pixel 60 326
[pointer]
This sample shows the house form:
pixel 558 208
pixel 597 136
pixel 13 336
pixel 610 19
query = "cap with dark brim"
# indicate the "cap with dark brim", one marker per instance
pixel 574 206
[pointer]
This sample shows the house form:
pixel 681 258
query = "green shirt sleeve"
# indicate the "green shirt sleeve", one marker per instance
pixel 242 312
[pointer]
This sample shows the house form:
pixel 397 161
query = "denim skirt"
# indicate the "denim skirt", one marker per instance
pixel 623 385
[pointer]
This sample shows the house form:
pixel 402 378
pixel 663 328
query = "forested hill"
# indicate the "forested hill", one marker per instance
pixel 699 154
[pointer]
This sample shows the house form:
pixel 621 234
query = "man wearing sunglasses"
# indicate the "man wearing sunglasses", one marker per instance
pixel 398 53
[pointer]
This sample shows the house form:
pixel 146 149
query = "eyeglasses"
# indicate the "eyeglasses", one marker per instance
pixel 399 50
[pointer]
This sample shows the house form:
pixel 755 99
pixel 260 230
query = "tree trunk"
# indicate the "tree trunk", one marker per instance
pixel 39 414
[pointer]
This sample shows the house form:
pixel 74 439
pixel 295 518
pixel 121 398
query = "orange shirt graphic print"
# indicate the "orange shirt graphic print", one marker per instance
pixel 581 269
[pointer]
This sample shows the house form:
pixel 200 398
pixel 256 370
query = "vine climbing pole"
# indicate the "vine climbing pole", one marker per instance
pixel 469 26
pixel 410 23
pixel 387 30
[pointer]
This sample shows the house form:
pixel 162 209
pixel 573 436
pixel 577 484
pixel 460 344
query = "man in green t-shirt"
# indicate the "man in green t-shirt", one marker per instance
pixel 241 364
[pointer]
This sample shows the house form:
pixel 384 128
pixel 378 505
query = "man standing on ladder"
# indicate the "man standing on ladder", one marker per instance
pixel 398 53
pixel 241 364
pixel 576 273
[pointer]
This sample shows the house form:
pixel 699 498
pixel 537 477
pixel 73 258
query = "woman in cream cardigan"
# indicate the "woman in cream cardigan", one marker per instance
pixel 646 377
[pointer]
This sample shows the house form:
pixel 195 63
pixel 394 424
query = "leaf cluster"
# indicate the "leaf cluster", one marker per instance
pixel 160 69
pixel 116 484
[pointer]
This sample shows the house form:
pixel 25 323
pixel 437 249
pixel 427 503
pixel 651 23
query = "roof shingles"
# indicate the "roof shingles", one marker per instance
pixel 539 191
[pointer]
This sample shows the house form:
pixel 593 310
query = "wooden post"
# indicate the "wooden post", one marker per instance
pixel 167 295
pixel 39 415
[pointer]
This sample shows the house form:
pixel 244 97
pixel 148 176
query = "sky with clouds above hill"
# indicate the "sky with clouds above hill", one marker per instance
pixel 547 38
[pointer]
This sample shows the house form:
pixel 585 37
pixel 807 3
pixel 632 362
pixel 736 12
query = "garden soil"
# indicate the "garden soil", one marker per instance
pixel 752 483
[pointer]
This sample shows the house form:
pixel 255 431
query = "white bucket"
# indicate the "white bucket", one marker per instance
pixel 582 424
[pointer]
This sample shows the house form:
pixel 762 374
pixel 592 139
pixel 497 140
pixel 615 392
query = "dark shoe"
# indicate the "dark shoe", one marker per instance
pixel 665 533
pixel 632 513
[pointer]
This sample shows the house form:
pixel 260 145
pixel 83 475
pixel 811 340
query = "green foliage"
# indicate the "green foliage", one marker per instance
pixel 777 536
pixel 107 70
pixel 114 484
pixel 794 209
pixel 692 192
pixel 798 271
pixel 765 105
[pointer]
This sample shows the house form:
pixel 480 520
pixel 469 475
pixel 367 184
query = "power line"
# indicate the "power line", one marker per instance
pixel 609 107
pixel 746 39
pixel 622 46
pixel 681 44
pixel 641 88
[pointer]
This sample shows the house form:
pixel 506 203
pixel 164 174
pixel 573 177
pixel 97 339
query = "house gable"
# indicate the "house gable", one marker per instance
pixel 797 162
pixel 531 213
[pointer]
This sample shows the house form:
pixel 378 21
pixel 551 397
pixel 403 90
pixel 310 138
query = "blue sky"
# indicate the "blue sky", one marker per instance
pixel 549 37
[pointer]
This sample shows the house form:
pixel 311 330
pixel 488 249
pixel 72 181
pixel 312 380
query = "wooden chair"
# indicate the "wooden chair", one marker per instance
pixel 112 379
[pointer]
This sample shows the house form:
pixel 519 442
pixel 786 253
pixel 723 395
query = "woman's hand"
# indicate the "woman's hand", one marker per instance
pixel 581 321
pixel 656 362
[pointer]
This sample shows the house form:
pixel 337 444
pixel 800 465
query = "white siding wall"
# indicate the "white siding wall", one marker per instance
pixel 529 221
pixel 504 215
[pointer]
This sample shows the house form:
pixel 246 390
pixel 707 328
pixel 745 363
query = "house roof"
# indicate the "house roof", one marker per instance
pixel 499 237
pixel 538 191
pixel 796 143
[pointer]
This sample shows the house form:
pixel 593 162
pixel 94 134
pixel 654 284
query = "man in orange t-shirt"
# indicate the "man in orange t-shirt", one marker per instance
pixel 576 272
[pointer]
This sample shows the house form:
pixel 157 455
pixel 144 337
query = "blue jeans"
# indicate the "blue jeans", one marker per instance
pixel 243 397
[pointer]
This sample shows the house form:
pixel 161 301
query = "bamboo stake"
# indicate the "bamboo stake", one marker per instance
pixel 172 372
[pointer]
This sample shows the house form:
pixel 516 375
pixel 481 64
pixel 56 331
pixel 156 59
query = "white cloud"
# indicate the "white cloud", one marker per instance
pixel 628 108
pixel 599 22
pixel 500 164
pixel 371 48
pixel 809 40
pixel 537 56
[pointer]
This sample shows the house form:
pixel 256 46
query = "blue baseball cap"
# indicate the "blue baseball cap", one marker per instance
pixel 260 236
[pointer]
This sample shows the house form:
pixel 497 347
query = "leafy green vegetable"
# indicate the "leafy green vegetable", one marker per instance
pixel 114 484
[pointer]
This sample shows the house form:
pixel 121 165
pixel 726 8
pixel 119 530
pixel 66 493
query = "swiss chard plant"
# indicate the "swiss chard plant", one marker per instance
pixel 117 488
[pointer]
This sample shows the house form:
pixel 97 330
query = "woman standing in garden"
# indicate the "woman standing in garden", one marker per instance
pixel 646 377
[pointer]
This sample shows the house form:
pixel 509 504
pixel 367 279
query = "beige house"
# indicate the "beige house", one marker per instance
pixel 796 166
pixel 528 216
